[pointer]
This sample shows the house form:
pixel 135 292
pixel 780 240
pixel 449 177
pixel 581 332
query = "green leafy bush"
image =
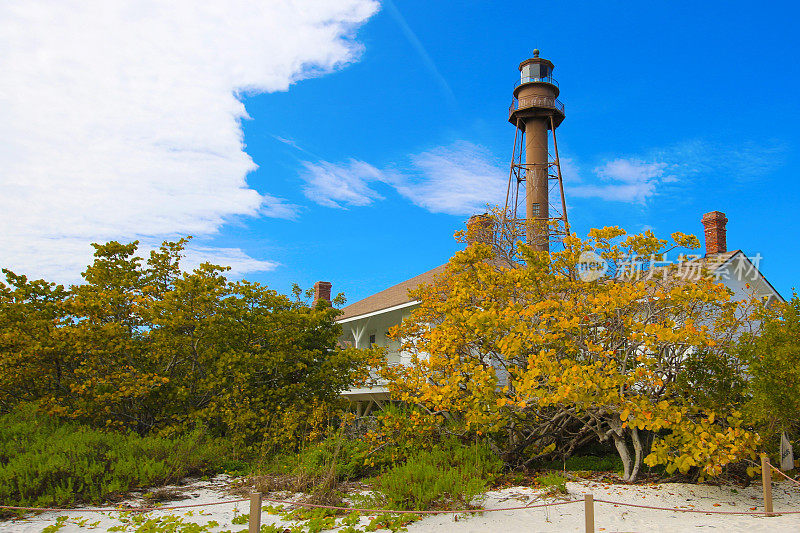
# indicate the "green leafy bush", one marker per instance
pixel 773 371
pixel 450 473
pixel 236 467
pixel 401 432
pixel 344 456
pixel 148 346
pixel 336 456
pixel 553 483
pixel 45 462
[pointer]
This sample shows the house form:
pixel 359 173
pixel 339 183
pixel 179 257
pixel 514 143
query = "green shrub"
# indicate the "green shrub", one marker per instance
pixel 343 457
pixel 401 432
pixel 149 346
pixel 393 523
pixel 236 467
pixel 553 483
pixel 46 462
pixel 240 519
pixel 447 474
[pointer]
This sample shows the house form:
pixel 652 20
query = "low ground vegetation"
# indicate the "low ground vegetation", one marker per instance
pixel 553 483
pixel 45 462
pixel 450 474
pixel 144 374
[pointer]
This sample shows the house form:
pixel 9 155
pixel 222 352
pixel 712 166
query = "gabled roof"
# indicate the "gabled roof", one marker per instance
pixel 398 294
pixel 391 297
pixel 718 261
pixel 713 262
pixel 693 264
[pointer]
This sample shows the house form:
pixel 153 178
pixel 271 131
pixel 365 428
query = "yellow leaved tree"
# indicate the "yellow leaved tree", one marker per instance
pixel 543 353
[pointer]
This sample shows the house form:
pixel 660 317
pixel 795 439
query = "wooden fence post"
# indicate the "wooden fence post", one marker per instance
pixel 766 480
pixel 588 511
pixel 255 512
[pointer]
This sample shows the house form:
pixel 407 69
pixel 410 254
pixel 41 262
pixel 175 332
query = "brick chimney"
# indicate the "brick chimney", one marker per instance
pixel 716 241
pixel 480 228
pixel 322 291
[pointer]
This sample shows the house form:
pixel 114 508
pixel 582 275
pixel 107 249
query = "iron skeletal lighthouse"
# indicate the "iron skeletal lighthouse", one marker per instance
pixel 535 175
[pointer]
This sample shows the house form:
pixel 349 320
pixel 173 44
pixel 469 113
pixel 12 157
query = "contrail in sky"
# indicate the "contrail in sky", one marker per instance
pixel 291 142
pixel 423 54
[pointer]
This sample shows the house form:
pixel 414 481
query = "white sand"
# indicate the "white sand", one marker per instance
pixel 618 519
pixel 554 519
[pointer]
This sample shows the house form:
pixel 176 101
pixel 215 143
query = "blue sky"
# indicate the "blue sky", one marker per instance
pixel 377 131
pixel 710 93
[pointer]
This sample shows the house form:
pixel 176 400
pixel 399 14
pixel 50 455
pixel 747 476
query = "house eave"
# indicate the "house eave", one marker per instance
pixel 378 312
pixel 729 261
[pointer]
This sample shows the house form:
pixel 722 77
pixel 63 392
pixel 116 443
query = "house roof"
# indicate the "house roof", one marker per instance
pixel 398 294
pixel 719 260
pixel 688 267
pixel 713 262
pixel 394 295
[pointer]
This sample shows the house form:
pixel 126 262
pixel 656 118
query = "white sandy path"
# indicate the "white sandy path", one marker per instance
pixel 198 492
pixel 564 518
pixel 623 519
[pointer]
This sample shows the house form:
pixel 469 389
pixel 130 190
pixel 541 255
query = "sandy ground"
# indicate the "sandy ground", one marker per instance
pixel 564 518
pixel 624 519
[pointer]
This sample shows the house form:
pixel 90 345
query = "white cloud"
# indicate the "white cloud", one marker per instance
pixel 630 170
pixel 341 185
pixel 235 258
pixel 121 120
pixel 274 207
pixel 743 162
pixel 570 169
pixel 623 180
pixel 638 179
pixel 462 177
pixel 457 179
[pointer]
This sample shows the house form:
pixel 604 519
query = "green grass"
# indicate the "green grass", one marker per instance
pixel 345 456
pixel 449 474
pixel 553 483
pixel 49 462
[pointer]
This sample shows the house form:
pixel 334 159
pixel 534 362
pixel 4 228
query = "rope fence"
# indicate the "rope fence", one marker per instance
pixel 256 501
pixel 118 509
pixel 778 470
pixel 286 502
pixel 697 511
pixel 444 511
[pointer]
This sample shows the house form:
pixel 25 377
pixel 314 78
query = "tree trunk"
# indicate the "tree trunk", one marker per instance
pixel 624 454
pixel 630 465
pixel 637 448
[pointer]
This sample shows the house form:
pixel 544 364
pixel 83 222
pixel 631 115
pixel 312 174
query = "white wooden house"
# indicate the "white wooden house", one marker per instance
pixel 367 322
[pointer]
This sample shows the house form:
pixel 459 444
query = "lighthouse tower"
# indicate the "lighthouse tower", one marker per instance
pixel 535 205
